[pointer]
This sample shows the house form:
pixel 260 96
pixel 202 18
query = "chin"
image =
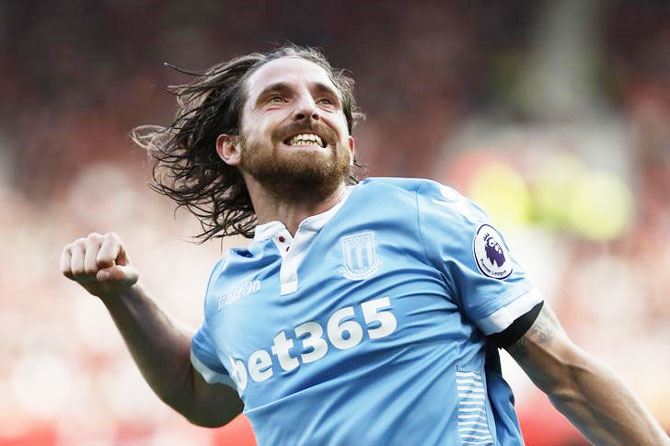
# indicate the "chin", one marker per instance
pixel 306 177
pixel 299 172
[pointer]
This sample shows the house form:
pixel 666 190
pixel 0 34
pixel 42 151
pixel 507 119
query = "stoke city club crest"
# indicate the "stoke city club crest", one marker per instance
pixel 359 257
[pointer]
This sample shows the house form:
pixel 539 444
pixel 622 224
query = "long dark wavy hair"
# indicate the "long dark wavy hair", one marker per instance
pixel 186 166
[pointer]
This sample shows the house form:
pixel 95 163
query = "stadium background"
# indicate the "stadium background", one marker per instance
pixel 555 116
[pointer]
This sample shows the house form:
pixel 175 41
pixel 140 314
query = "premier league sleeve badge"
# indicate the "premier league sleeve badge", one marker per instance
pixel 490 254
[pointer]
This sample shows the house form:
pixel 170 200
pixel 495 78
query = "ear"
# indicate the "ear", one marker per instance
pixel 229 149
pixel 352 149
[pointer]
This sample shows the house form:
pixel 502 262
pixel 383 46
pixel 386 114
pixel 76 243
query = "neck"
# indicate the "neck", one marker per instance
pixel 291 211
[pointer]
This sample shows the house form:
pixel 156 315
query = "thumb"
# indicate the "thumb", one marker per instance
pixel 125 274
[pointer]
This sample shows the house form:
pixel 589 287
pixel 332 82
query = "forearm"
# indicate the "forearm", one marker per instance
pixel 158 345
pixel 602 407
pixel 589 394
pixel 161 349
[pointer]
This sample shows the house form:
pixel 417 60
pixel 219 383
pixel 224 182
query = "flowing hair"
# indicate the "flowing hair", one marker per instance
pixel 186 166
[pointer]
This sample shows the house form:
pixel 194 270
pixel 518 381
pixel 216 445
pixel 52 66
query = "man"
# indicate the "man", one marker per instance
pixel 360 314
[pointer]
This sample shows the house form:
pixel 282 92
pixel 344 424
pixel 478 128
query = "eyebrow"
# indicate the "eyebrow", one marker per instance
pixel 279 87
pixel 323 88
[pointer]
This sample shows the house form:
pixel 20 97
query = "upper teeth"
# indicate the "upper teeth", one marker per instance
pixel 306 138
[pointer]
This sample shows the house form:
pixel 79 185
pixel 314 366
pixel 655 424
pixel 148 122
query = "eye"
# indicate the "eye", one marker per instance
pixel 276 99
pixel 325 101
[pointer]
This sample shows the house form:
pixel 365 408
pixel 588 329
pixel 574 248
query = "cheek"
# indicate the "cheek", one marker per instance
pixel 269 125
pixel 256 131
pixel 339 124
pixel 255 122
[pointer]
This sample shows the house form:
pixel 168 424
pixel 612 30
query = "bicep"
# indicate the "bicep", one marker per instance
pixel 215 404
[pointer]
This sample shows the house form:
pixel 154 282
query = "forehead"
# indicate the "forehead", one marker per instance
pixel 291 70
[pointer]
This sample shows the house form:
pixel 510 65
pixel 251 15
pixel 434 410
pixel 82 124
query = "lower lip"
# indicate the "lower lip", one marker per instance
pixel 305 146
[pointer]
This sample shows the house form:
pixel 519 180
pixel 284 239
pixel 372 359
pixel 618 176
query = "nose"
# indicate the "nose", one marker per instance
pixel 306 109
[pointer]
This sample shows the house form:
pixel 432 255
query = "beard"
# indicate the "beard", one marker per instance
pixel 298 174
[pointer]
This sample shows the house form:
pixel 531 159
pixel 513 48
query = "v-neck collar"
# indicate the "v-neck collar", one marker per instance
pixel 294 249
pixel 313 223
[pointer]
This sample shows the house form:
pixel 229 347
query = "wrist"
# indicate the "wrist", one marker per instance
pixel 121 295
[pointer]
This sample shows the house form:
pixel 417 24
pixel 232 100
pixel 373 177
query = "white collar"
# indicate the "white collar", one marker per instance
pixel 313 223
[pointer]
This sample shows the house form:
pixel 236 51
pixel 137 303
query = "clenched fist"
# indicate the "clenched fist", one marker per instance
pixel 100 264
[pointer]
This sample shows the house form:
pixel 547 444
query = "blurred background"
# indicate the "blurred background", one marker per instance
pixel 553 115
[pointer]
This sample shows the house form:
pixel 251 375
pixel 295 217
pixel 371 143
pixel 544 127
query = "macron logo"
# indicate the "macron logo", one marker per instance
pixel 244 290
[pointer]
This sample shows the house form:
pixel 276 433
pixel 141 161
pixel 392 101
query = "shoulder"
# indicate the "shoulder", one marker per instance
pixel 389 188
pixel 231 276
pixel 411 185
pixel 385 196
pixel 432 198
pixel 239 258
pixel 216 272
pixel 234 261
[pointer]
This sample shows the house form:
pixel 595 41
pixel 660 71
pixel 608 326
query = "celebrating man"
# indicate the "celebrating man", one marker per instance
pixel 361 313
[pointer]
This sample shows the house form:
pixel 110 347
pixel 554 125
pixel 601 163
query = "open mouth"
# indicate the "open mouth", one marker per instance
pixel 306 139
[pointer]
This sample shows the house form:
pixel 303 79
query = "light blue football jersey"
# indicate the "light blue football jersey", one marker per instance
pixel 369 327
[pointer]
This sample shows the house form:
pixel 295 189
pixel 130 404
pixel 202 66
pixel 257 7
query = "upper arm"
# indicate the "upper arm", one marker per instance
pixel 491 287
pixel 545 352
pixel 480 274
pixel 215 404
pixel 215 398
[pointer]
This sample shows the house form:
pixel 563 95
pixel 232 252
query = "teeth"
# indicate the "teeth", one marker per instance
pixel 306 139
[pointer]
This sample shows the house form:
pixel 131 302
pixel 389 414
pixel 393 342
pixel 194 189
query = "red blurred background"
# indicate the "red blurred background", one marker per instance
pixel 555 116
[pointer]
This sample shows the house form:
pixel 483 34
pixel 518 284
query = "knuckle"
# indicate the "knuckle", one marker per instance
pixel 77 271
pixel 103 261
pixel 90 269
pixel 103 253
pixel 113 236
pixel 64 266
pixel 94 236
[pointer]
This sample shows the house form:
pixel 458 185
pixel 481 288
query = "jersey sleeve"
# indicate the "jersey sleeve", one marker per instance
pixel 489 285
pixel 204 357
pixel 205 360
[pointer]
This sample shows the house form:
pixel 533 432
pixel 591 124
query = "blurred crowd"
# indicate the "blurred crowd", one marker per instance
pixel 555 116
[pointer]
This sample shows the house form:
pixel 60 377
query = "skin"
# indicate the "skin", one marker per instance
pixel 159 345
pixel 584 390
pixel 307 99
pixel 100 264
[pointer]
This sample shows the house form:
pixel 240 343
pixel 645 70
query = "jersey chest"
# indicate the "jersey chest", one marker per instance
pixel 362 293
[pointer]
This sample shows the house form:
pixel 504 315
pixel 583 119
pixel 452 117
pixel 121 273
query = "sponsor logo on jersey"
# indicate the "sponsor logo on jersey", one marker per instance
pixel 490 254
pixel 311 341
pixel 359 256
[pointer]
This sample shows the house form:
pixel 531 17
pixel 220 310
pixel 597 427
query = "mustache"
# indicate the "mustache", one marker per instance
pixel 326 133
